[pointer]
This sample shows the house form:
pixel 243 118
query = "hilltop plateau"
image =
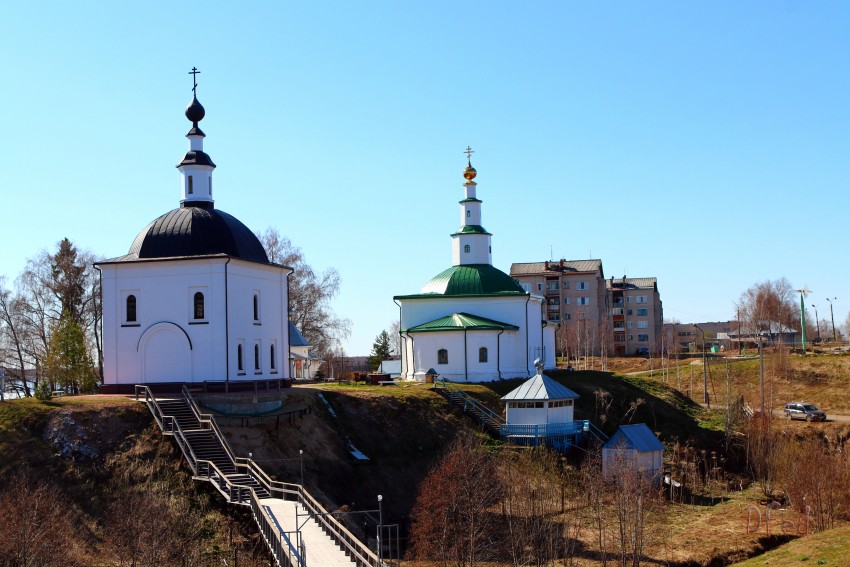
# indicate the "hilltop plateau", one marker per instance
pixel 106 470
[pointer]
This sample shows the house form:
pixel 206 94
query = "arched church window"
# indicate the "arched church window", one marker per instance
pixel 256 307
pixel 271 357
pixel 131 308
pixel 239 363
pixel 199 305
pixel 442 356
pixel 256 357
pixel 466 248
pixel 482 354
pixel 189 185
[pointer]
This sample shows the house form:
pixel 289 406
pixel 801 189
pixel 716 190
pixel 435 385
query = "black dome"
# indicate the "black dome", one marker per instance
pixel 196 231
pixel 195 111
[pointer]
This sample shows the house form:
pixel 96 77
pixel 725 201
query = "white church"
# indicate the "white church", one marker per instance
pixel 196 298
pixel 473 322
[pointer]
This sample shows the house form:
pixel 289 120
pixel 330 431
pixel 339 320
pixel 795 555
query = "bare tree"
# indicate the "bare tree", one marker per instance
pixel 395 338
pixel 770 307
pixel 638 507
pixel 451 522
pixel 12 340
pixel 310 294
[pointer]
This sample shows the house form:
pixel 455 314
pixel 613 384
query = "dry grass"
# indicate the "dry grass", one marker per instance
pixel 830 549
pixel 821 379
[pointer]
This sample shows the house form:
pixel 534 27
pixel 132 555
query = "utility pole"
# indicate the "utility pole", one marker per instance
pixel 761 372
pixel 832 317
pixel 803 293
pixel 706 399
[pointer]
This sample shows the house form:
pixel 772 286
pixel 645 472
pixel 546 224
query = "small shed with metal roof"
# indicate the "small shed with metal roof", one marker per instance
pixel 633 446
pixel 540 412
pixel 539 400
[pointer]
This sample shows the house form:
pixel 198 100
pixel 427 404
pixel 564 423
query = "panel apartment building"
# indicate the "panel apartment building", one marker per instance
pixel 627 309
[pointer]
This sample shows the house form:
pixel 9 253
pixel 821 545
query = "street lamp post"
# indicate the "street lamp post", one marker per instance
pixel 832 317
pixel 301 458
pixel 380 526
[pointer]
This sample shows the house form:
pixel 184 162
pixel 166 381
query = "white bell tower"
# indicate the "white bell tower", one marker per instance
pixel 471 243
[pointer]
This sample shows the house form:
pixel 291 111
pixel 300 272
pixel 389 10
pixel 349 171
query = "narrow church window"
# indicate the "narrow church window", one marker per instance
pixel 482 354
pixel 271 357
pixel 442 356
pixel 466 248
pixel 239 364
pixel 189 185
pixel 131 308
pixel 256 357
pixel 467 214
pixel 256 307
pixel 199 305
pixel 209 185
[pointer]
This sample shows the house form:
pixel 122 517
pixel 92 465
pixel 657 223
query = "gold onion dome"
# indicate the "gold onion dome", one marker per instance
pixel 469 173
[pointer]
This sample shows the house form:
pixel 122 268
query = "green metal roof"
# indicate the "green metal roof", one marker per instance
pixel 462 322
pixel 472 279
pixel 472 229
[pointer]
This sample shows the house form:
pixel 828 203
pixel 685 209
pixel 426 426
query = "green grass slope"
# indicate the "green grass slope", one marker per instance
pixel 829 549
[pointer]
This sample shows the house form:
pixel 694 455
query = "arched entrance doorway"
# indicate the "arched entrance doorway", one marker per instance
pixel 165 354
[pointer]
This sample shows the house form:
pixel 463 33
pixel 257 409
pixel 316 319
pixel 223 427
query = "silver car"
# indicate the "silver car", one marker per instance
pixel 803 410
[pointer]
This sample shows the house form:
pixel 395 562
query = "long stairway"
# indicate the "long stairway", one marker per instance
pixel 291 539
pixel 489 420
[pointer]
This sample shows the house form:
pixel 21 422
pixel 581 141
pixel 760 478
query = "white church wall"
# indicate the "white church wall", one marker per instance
pixel 463 359
pixel 245 280
pixel 164 292
pixel 478 253
pixel 517 349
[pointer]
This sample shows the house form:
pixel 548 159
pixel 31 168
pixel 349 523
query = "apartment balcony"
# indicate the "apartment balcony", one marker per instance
pixel 619 329
pixel 553 307
pixel 555 291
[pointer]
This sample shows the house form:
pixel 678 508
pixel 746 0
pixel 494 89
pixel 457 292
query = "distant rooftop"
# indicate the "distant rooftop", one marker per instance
pixel 556 267
pixel 631 283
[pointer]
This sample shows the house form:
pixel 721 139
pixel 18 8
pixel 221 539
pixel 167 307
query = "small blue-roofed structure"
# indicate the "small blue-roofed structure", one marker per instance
pixel 634 446
pixel 540 411
pixel 303 364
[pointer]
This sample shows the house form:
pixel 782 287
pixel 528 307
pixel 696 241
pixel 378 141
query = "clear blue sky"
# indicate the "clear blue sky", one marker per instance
pixel 705 144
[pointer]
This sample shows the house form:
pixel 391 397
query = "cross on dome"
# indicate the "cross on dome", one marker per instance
pixel 469 173
pixel 468 151
pixel 194 72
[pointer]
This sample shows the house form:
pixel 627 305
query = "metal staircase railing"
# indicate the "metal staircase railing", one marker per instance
pixel 286 552
pixel 596 432
pixel 470 405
